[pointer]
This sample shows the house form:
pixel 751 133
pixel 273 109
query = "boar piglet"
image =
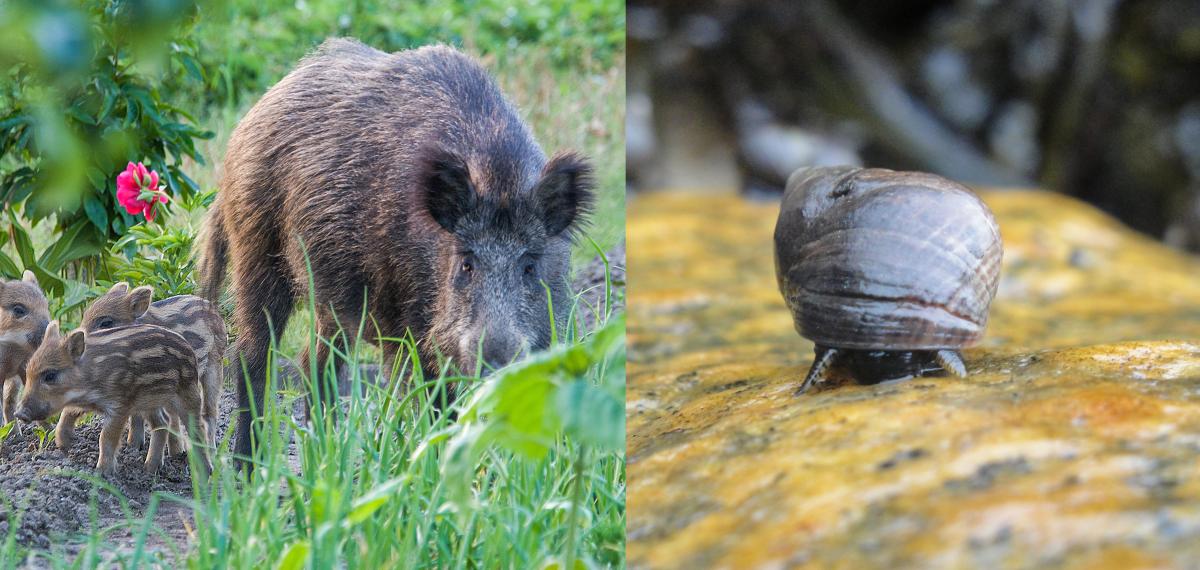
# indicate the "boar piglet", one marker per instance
pixel 115 373
pixel 24 315
pixel 197 320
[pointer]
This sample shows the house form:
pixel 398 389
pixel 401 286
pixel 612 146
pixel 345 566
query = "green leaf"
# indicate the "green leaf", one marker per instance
pixel 367 504
pixel 192 66
pixel 556 564
pixel 22 241
pixel 5 430
pixel 295 556
pixel 8 268
pixel 13 121
pixel 76 294
pixel 97 178
pixel 592 416
pixel 78 241
pixel 96 212
pixel 80 115
pixel 110 97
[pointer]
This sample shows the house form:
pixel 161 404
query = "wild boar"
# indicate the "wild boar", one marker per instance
pixel 418 197
pixel 194 318
pixel 24 314
pixel 116 373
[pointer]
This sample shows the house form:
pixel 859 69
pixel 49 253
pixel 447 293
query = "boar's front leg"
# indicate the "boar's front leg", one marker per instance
pixel 64 432
pixel 330 330
pixel 264 303
pixel 110 442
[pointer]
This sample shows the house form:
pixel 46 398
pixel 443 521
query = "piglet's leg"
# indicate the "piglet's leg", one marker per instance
pixel 191 407
pixel 177 443
pixel 64 433
pixel 159 425
pixel 110 442
pixel 213 377
pixel 11 385
pixel 137 431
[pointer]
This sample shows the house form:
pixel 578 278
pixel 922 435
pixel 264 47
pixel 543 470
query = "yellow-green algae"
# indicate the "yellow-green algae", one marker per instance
pixel 1074 441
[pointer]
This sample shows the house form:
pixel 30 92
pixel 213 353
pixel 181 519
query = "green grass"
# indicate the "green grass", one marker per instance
pixel 377 487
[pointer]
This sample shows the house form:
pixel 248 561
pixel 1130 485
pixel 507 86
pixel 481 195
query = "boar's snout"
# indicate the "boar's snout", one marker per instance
pixel 500 346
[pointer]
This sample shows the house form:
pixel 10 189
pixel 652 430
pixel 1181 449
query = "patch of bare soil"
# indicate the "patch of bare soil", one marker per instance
pixel 590 281
pixel 51 495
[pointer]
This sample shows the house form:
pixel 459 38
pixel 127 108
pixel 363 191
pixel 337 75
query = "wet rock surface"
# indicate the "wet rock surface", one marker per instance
pixel 1074 441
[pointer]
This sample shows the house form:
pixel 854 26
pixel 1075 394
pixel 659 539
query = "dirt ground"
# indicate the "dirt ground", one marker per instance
pixel 51 494
pixel 53 498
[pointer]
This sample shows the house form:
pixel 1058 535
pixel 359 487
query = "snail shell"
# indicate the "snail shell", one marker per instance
pixel 875 259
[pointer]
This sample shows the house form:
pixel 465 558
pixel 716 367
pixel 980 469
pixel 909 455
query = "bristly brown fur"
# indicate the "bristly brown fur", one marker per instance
pixel 412 188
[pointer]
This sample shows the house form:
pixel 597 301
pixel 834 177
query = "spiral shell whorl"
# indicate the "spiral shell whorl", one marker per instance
pixel 884 260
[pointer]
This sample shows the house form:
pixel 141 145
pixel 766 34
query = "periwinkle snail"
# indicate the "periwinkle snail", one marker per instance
pixel 889 273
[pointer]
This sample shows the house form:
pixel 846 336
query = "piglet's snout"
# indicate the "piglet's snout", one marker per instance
pixel 25 414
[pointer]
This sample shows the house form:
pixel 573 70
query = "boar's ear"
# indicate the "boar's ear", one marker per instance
pixel 564 194
pixel 30 278
pixel 139 300
pixel 448 191
pixel 119 288
pixel 76 342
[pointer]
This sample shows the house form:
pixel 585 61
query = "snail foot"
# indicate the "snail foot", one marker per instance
pixel 951 361
pixel 820 367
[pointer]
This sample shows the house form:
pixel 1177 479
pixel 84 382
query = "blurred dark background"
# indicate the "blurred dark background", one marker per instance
pixel 1098 99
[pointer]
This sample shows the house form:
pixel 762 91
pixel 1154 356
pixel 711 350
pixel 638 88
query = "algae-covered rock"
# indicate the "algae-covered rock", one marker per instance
pixel 1075 439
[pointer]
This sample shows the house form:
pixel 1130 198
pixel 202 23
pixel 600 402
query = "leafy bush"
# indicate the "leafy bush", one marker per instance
pixel 159 255
pixel 85 94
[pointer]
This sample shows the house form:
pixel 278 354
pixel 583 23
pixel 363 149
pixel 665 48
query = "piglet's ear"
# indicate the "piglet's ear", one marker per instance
pixel 76 342
pixel 139 300
pixel 119 288
pixel 564 194
pixel 30 278
pixel 52 332
pixel 449 195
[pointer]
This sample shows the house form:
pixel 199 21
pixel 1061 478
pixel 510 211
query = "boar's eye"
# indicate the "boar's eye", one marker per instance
pixel 105 323
pixel 465 269
pixel 529 269
pixel 19 310
pixel 50 377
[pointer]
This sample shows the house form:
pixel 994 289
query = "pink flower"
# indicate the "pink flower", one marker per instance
pixel 138 190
